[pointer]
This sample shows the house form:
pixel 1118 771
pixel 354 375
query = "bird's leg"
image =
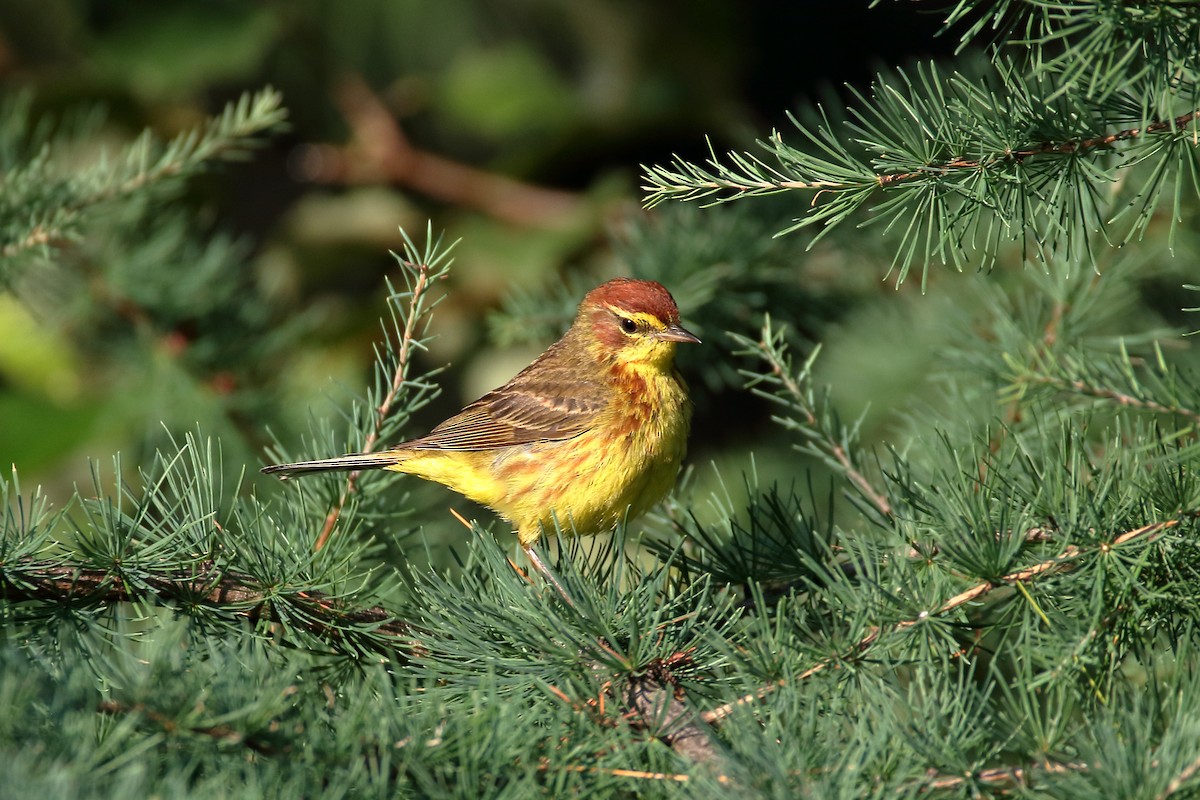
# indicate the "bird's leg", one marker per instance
pixel 537 562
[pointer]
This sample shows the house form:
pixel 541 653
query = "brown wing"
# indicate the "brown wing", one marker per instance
pixel 549 400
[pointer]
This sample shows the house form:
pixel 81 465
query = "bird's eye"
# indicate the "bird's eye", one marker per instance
pixel 628 325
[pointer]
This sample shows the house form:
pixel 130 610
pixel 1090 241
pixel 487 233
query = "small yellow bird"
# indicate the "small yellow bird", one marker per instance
pixel 590 433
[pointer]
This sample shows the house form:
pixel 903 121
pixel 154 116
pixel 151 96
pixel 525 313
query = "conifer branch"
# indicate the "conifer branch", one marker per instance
pixel 1179 781
pixel 230 592
pixel 222 733
pixel 1124 399
pixel 1066 148
pixel 750 176
pixel 998 777
pixel 144 163
pixel 39 235
pixel 416 299
pixel 827 438
pixel 1140 384
pixel 966 164
pixel 1063 561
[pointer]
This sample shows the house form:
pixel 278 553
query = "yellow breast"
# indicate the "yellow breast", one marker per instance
pixel 620 467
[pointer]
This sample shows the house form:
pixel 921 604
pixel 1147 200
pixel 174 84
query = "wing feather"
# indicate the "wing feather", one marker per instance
pixel 550 400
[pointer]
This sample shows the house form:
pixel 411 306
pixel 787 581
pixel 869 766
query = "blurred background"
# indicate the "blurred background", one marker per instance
pixel 516 126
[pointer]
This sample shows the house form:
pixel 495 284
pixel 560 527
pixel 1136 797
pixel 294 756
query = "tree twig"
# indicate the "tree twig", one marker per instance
pixel 1120 398
pixel 379 152
pixel 999 777
pixel 226 133
pixel 222 733
pixel 834 448
pixel 758 178
pixel 403 354
pixel 1177 783
pixel 228 591
pixel 1060 562
pixel 656 704
pixel 1046 148
pixel 38 236
pixel 636 774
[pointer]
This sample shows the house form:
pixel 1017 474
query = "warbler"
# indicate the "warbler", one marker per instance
pixel 591 433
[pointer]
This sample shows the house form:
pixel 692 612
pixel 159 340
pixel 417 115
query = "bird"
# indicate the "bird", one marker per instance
pixel 591 433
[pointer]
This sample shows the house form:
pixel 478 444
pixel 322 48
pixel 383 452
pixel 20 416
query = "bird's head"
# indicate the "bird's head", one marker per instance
pixel 632 321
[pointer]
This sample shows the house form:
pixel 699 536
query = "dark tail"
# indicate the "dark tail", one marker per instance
pixel 354 461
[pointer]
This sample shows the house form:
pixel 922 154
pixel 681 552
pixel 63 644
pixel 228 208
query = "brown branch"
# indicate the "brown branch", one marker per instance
pixel 654 701
pixel 1061 562
pixel 925 550
pixel 222 733
pixel 228 591
pixel 999 777
pixel 839 454
pixel 1186 774
pixel 1120 398
pixel 40 235
pixel 379 152
pixel 403 353
pixel 1046 148
pixel 616 772
pixel 657 705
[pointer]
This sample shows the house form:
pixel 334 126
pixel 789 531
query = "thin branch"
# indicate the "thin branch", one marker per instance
pixel 403 353
pixel 1047 148
pixel 592 708
pixel 1186 774
pixel 1120 398
pixel 1060 562
pixel 756 178
pixel 379 152
pixel 222 733
pixel 225 135
pixel 999 777
pixel 636 774
pixel 39 236
pixel 780 370
pixel 229 591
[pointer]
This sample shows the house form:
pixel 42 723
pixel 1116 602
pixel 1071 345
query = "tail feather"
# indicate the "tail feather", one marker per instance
pixel 354 461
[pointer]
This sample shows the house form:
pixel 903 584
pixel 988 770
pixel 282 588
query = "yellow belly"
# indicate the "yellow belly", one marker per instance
pixel 589 483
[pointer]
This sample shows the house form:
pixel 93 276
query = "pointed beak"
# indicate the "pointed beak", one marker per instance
pixel 676 333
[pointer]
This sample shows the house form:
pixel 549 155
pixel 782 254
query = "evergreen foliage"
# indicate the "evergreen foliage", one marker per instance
pixel 995 595
pixel 1083 122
